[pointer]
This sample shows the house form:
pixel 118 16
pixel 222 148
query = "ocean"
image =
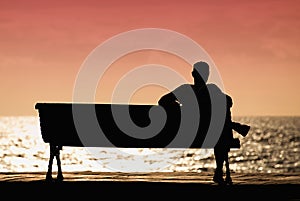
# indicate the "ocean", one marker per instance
pixel 271 146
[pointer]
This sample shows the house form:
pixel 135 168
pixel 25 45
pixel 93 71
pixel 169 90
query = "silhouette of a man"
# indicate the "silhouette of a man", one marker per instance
pixel 204 94
pixel 196 96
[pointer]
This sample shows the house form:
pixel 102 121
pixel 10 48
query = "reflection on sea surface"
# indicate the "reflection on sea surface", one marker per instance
pixel 272 145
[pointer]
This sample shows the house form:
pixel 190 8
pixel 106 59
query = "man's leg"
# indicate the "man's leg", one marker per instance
pixel 218 174
pixel 228 179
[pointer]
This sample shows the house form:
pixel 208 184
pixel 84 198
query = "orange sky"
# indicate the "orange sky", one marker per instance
pixel 254 44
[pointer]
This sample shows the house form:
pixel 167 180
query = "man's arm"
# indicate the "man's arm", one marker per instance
pixel 168 100
pixel 238 127
pixel 242 129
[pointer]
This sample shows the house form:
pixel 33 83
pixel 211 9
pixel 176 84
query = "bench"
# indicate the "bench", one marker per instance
pixel 100 125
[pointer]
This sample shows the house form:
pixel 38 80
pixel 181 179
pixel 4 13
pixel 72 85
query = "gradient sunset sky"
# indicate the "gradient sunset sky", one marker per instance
pixel 255 45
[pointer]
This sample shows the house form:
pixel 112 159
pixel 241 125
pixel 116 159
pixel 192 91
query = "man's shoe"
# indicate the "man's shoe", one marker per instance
pixel 218 179
pixel 228 180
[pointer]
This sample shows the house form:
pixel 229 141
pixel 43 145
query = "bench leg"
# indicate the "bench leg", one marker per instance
pixel 49 173
pixel 59 171
pixel 54 151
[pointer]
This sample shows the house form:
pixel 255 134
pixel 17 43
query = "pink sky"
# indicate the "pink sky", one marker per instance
pixel 254 44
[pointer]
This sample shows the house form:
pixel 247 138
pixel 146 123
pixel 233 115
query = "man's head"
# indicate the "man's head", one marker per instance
pixel 229 101
pixel 200 72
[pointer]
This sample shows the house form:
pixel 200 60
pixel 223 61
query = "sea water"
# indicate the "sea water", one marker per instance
pixel 271 146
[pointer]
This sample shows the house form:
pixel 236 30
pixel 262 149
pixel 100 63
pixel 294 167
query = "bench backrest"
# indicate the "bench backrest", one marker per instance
pixel 79 124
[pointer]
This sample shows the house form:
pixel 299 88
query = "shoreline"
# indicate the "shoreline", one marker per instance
pixel 167 177
pixel 285 186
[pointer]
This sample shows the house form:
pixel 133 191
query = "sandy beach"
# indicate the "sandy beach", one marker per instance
pixel 152 185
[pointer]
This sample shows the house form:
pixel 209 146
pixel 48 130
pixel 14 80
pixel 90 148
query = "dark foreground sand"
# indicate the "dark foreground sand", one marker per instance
pixel 161 185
